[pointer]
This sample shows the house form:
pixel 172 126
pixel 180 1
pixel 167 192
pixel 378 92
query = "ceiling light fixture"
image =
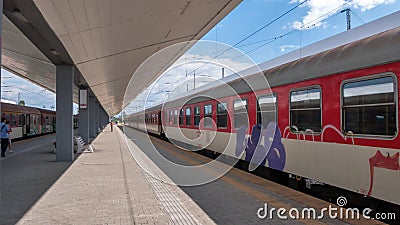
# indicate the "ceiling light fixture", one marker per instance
pixel 20 16
pixel 53 51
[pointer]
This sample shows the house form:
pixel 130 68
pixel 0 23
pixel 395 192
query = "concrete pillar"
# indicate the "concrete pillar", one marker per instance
pixel 104 117
pixel 96 116
pixel 100 118
pixel 83 130
pixel 92 130
pixel 64 113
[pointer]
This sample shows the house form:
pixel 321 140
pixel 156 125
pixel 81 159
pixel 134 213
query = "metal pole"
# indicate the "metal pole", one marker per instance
pixel 348 17
pixel 194 80
pixel 187 85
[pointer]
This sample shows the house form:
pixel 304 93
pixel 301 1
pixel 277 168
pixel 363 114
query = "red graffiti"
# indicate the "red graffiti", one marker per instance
pixel 381 161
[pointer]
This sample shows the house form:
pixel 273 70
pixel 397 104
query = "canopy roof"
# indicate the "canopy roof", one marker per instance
pixel 106 40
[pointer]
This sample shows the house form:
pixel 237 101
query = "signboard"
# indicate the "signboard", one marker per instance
pixel 83 99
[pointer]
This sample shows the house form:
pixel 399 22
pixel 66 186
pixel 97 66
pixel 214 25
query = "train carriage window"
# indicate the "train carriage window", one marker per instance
pixel 208 116
pixel 14 120
pixel 20 120
pixel 240 115
pixel 267 109
pixel 222 115
pixel 369 107
pixel 176 117
pixel 181 117
pixel 188 116
pixel 196 115
pixel 170 118
pixel 305 110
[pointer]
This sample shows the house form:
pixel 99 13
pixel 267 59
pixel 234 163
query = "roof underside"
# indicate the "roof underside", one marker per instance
pixel 107 40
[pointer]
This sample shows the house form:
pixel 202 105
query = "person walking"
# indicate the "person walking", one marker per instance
pixel 111 125
pixel 5 129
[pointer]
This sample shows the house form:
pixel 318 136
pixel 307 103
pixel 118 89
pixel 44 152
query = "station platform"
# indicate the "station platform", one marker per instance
pixel 109 187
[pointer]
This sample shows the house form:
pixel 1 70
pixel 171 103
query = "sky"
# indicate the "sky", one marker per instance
pixel 259 29
pixel 14 88
pixel 314 20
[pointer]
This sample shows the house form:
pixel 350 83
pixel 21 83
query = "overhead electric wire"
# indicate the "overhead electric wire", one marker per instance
pixel 307 26
pixel 271 22
pixel 359 18
pixel 255 32
pixel 30 91
pixel 270 40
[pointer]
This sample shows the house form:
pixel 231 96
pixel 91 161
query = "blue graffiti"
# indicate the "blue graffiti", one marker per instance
pixel 272 150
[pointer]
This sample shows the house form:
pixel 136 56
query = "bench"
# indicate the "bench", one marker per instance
pixel 82 146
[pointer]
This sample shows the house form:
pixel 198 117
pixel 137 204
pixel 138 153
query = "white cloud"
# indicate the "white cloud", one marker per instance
pixel 8 101
pixel 369 4
pixel 285 48
pixel 320 10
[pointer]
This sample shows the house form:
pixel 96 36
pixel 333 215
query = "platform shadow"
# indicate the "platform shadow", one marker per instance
pixel 25 178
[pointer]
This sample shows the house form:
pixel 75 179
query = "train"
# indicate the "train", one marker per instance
pixel 28 121
pixel 336 118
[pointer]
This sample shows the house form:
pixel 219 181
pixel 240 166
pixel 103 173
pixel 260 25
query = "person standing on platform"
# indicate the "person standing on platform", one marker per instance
pixel 5 129
pixel 111 125
pixel 9 137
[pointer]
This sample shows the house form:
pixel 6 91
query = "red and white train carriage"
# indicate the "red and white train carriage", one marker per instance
pixel 337 116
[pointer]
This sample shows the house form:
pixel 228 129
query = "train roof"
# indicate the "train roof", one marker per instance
pixel 383 24
pixel 7 107
pixel 46 111
pixel 368 47
pixel 376 50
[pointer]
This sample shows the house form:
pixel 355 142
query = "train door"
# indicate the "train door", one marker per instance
pixel 159 123
pixel 28 124
pixel 22 124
